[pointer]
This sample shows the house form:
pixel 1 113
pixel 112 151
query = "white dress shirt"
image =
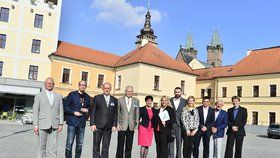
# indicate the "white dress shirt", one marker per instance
pixel 107 99
pixel 128 101
pixel 50 97
pixel 205 113
pixel 217 114
pixel 176 102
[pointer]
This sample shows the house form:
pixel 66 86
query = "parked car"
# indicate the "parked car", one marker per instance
pixel 273 130
pixel 27 118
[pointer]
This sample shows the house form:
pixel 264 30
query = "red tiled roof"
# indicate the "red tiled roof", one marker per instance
pixel 85 54
pixel 150 54
pixel 210 73
pixel 261 61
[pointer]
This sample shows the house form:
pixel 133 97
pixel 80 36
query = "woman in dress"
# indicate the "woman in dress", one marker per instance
pixel 146 130
pixel 163 124
pixel 190 121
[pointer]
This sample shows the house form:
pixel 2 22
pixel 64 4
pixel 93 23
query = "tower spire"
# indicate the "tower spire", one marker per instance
pixel 146 33
pixel 149 5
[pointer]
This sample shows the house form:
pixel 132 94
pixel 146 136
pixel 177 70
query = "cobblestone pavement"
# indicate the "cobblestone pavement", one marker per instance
pixel 19 141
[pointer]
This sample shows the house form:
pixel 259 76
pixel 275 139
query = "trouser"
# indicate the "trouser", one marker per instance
pixel 161 144
pixel 48 143
pixel 178 139
pixel 125 137
pixel 238 146
pixel 206 140
pixel 217 147
pixel 187 145
pixel 104 135
pixel 73 132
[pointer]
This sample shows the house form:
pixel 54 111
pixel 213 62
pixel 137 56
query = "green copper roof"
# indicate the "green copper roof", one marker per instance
pixel 189 43
pixel 216 39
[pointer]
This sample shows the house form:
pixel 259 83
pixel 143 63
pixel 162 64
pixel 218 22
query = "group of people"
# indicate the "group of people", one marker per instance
pixel 175 121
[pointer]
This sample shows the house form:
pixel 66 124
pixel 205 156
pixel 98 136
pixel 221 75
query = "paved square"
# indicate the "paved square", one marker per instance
pixel 19 141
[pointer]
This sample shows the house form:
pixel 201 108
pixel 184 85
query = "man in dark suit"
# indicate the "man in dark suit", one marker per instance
pixel 103 120
pixel 237 119
pixel 76 106
pixel 206 122
pixel 218 130
pixel 178 103
pixel 128 118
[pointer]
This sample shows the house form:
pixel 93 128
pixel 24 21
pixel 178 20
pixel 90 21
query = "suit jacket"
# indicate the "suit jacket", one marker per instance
pixel 221 123
pixel 73 104
pixel 46 116
pixel 101 115
pixel 128 118
pixel 144 117
pixel 168 124
pixel 179 110
pixel 240 121
pixel 209 120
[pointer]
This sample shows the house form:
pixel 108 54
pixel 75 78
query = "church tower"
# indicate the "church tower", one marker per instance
pixel 147 33
pixel 190 50
pixel 215 51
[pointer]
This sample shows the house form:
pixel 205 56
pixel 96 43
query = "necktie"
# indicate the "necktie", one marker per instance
pixel 107 100
pixel 235 113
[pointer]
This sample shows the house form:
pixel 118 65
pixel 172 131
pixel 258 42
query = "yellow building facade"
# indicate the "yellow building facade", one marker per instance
pixel 28 34
pixel 256 83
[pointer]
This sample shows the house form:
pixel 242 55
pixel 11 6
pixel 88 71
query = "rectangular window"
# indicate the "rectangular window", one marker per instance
pixel 1 67
pixel 84 76
pixel 36 44
pixel 66 75
pixel 255 91
pixel 38 22
pixel 224 89
pixel 100 80
pixel 4 14
pixel 3 41
pixel 272 116
pixel 33 72
pixel 119 81
pixel 209 92
pixel 156 83
pixel 273 90
pixel 202 92
pixel 239 91
pixel 183 86
pixel 255 118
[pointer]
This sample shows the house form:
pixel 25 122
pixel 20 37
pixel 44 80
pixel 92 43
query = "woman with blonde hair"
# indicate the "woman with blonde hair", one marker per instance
pixel 163 124
pixel 190 121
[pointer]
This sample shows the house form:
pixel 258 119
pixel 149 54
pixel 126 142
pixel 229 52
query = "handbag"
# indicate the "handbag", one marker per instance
pixel 171 137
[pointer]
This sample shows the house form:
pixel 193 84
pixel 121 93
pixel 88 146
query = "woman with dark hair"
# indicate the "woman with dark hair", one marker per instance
pixel 163 124
pixel 146 130
pixel 190 121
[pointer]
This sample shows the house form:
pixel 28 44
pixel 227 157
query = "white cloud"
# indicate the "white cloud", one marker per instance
pixel 123 13
pixel 85 17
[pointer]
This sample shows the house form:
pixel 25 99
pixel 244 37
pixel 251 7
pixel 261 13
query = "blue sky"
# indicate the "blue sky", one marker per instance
pixel 112 25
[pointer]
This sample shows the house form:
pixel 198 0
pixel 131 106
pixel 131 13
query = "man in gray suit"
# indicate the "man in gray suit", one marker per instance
pixel 128 116
pixel 47 119
pixel 178 103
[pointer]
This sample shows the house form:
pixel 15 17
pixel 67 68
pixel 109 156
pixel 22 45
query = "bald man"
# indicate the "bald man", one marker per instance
pixel 103 120
pixel 47 119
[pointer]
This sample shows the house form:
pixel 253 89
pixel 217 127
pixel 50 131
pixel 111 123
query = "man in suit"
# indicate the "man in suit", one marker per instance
pixel 76 106
pixel 103 120
pixel 218 130
pixel 47 119
pixel 128 116
pixel 206 121
pixel 178 103
pixel 237 119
